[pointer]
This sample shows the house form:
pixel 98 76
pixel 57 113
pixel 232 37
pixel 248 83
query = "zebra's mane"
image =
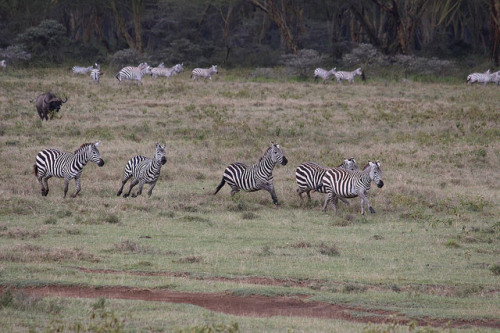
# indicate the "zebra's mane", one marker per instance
pixel 83 146
pixel 366 166
pixel 265 153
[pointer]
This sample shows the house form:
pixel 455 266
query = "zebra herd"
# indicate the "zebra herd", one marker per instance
pixel 341 182
pixel 339 75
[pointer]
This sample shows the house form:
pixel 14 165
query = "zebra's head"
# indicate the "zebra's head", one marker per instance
pixel 95 155
pixel 277 155
pixel 358 72
pixel 179 68
pixel 376 173
pixel 214 69
pixel 350 164
pixel 160 154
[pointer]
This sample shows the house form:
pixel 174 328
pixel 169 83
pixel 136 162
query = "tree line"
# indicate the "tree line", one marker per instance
pixel 245 32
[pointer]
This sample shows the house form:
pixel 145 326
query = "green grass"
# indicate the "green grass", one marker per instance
pixel 431 250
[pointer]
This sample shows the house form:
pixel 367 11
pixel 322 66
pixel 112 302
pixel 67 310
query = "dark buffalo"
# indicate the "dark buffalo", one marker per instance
pixel 48 103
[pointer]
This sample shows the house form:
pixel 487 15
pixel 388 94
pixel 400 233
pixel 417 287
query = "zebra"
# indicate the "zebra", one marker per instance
pixel 167 72
pixel 340 183
pixel 204 72
pixel 255 177
pixel 96 73
pixel 145 170
pixel 309 176
pixel 133 73
pixel 3 64
pixel 81 70
pixel 495 78
pixel 56 163
pixel 349 76
pixel 483 78
pixel 323 73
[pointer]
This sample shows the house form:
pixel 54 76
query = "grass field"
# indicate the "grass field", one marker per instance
pixel 430 253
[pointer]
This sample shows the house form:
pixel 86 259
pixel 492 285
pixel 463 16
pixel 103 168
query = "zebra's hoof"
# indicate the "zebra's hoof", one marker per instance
pixel 125 195
pixel 134 195
pixel 118 194
pixel 372 210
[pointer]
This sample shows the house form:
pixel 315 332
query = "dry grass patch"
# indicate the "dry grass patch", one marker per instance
pixel 28 253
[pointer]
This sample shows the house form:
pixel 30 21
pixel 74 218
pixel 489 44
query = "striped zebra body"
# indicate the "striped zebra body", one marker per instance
pixel 144 170
pixel 348 76
pixel 95 73
pixel 81 70
pixel 483 78
pixel 167 72
pixel 256 177
pixel 56 163
pixel 495 78
pixel 340 183
pixel 133 73
pixel 323 73
pixel 309 176
pixel 204 72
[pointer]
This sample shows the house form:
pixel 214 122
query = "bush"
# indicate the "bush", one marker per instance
pixel 14 53
pixel 47 40
pixel 303 63
pixel 125 57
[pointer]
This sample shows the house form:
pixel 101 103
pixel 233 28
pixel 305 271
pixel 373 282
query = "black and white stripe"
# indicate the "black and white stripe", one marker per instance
pixel 133 73
pixel 204 72
pixel 495 78
pixel 348 76
pixel 309 176
pixel 255 177
pixel 95 73
pixel 161 70
pixel 340 183
pixel 56 163
pixel 144 170
pixel 483 78
pixel 81 70
pixel 323 73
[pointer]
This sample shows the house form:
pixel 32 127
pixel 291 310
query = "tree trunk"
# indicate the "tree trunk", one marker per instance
pixel 120 23
pixel 495 31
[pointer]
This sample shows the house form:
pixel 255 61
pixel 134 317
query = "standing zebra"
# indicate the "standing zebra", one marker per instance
pixel 81 70
pixel 309 177
pixel 133 73
pixel 204 72
pixel 323 73
pixel 56 163
pixel 255 177
pixel 144 170
pixel 167 72
pixel 483 78
pixel 340 183
pixel 96 73
pixel 349 76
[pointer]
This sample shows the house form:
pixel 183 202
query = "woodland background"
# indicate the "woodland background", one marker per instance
pixel 248 33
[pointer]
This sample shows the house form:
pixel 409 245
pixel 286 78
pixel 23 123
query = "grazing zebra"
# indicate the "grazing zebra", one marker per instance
pixel 145 170
pixel 3 64
pixel 204 72
pixel 81 70
pixel 349 76
pixel 167 72
pixel 495 78
pixel 309 176
pixel 133 73
pixel 340 183
pixel 56 163
pixel 255 177
pixel 483 78
pixel 96 73
pixel 323 73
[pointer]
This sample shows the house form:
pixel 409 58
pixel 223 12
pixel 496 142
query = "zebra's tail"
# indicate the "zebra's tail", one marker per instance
pixel 35 169
pixel 222 182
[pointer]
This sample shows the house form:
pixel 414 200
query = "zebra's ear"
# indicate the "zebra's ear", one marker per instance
pixel 378 163
pixel 97 143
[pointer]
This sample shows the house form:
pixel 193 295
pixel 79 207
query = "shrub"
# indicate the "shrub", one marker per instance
pixel 46 40
pixel 303 63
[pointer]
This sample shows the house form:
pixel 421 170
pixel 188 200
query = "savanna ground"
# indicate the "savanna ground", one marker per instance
pixel 186 260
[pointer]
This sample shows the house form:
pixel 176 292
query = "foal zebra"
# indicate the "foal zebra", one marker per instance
pixel 341 183
pixel 144 170
pixel 323 73
pixel 56 163
pixel 255 177
pixel 204 72
pixel 309 176
pixel 167 72
pixel 81 70
pixel 349 76
pixel 483 78
pixel 95 73
pixel 133 73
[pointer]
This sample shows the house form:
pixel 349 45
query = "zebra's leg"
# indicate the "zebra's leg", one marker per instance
pixel 308 192
pixel 270 189
pixel 327 199
pixel 364 199
pixel 139 191
pixel 132 184
pixel 344 201
pixel 78 187
pixel 125 179
pixel 299 192
pixel 151 186
pixel 45 186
